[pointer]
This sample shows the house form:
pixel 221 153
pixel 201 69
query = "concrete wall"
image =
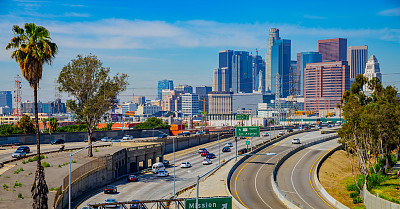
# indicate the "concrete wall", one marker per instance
pixel 372 202
pixel 77 136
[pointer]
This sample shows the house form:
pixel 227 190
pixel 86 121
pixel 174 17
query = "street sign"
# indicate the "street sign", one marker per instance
pixel 247 131
pixel 242 117
pixel 210 203
pixel 247 142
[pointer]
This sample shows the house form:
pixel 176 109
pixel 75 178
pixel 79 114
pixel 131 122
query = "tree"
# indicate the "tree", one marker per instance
pixel 33 48
pixel 25 124
pixel 152 122
pixel 95 92
pixel 53 124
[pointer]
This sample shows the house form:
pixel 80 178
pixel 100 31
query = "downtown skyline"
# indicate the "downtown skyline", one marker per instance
pixel 182 43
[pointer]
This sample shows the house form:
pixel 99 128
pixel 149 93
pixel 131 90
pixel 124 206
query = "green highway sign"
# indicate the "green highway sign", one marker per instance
pixel 247 142
pixel 248 131
pixel 210 203
pixel 242 117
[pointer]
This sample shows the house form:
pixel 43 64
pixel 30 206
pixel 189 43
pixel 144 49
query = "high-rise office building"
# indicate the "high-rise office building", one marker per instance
pixel 269 76
pixel 184 88
pixel 140 99
pixel 217 80
pixel 190 104
pixel 324 84
pixel 164 84
pixel 220 102
pixel 5 99
pixel 372 70
pixel 203 91
pixel 280 64
pixel 358 56
pixel 242 72
pixel 303 59
pixel 225 62
pixel 258 74
pixel 333 49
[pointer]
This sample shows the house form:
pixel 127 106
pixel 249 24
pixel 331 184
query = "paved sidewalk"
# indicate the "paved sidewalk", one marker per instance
pixel 213 185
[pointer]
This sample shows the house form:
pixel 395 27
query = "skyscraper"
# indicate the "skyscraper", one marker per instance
pixel 302 59
pixel 358 56
pixel 280 63
pixel 258 74
pixel 242 72
pixel 184 88
pixel 203 91
pixel 5 99
pixel 164 84
pixel 225 62
pixel 273 36
pixel 372 70
pixel 190 104
pixel 333 49
pixel 217 80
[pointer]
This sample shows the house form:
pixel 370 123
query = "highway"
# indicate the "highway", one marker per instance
pixel 150 186
pixel 295 176
pixel 251 182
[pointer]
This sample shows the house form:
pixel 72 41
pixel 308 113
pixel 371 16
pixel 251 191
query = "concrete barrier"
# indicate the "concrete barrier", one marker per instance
pixel 373 202
pixel 286 200
pixel 318 185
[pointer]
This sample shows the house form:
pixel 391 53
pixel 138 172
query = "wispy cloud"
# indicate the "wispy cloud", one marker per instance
pixel 74 14
pixel 390 12
pixel 314 17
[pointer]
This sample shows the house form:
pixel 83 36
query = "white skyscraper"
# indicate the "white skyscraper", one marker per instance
pixel 273 36
pixel 372 70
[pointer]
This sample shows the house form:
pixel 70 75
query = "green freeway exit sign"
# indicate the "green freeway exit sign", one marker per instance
pixel 210 203
pixel 247 131
pixel 242 117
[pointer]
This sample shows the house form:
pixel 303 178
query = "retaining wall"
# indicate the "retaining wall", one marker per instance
pixel 373 202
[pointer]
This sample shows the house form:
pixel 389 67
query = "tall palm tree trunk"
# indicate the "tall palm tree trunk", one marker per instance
pixel 39 188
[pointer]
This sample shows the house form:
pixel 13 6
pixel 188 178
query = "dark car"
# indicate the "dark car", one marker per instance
pixel 57 141
pixel 110 189
pixel 202 150
pixel 210 156
pixel 132 178
pixel 162 136
pixel 226 149
pixel 290 130
pixel 165 162
pixel 135 205
pixel 205 153
pixel 93 139
pixel 185 134
pixel 26 149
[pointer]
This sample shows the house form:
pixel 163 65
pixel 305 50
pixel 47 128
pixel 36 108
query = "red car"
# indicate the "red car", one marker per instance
pixel 204 153
pixel 132 178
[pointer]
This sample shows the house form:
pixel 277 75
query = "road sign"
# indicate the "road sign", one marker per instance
pixel 247 142
pixel 248 131
pixel 242 117
pixel 210 203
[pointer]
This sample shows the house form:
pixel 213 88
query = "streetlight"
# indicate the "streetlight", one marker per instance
pixel 69 176
pixel 173 150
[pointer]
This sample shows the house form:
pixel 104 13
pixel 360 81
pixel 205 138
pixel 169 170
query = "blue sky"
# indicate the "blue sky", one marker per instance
pixel 180 40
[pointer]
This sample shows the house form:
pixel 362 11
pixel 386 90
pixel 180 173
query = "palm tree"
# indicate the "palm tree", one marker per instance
pixel 33 48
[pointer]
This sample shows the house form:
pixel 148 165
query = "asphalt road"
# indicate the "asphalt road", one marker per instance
pixel 251 182
pixel 295 176
pixel 151 187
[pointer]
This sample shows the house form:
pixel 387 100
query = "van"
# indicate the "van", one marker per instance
pixel 157 167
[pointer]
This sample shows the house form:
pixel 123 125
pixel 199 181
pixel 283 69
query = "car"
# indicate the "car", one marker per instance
pixel 199 133
pixel 319 127
pixel 185 134
pixel 111 200
pixel 127 137
pixel 26 149
pixel 162 173
pixel 204 153
pixel 281 133
pixel 132 178
pixel 329 126
pixel 226 149
pixel 135 205
pixel 206 161
pixel 165 162
pixel 228 144
pixel 162 136
pixel 202 150
pixel 290 130
pixel 110 189
pixel 186 165
pixel 18 154
pixel 265 134
pixel 116 140
pixel 93 139
pixel 210 156
pixel 106 139
pixel 57 141
pixel 296 141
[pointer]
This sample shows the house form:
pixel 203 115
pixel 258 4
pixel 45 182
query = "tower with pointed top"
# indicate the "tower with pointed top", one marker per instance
pixel 372 70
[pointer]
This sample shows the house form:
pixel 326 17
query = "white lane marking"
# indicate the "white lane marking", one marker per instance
pixel 291 176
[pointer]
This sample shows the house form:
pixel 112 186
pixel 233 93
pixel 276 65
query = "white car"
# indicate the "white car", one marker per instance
pixel 106 139
pixel 162 173
pixel 127 137
pixel 111 200
pixel 229 144
pixel 265 134
pixel 185 165
pixel 281 133
pixel 206 161
pixel 296 141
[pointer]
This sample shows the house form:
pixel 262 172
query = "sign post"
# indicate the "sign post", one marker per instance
pixel 209 203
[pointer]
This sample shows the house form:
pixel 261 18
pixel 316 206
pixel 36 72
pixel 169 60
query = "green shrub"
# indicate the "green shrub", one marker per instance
pixel 23 162
pixel 20 196
pixel 354 194
pixel 18 170
pixel 5 186
pixel 45 164
pixel 72 161
pixel 357 200
pixel 17 184
pixel 30 173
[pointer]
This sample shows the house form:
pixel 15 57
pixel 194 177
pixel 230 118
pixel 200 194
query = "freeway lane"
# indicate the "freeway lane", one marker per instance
pixel 251 182
pixel 151 187
pixel 295 177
